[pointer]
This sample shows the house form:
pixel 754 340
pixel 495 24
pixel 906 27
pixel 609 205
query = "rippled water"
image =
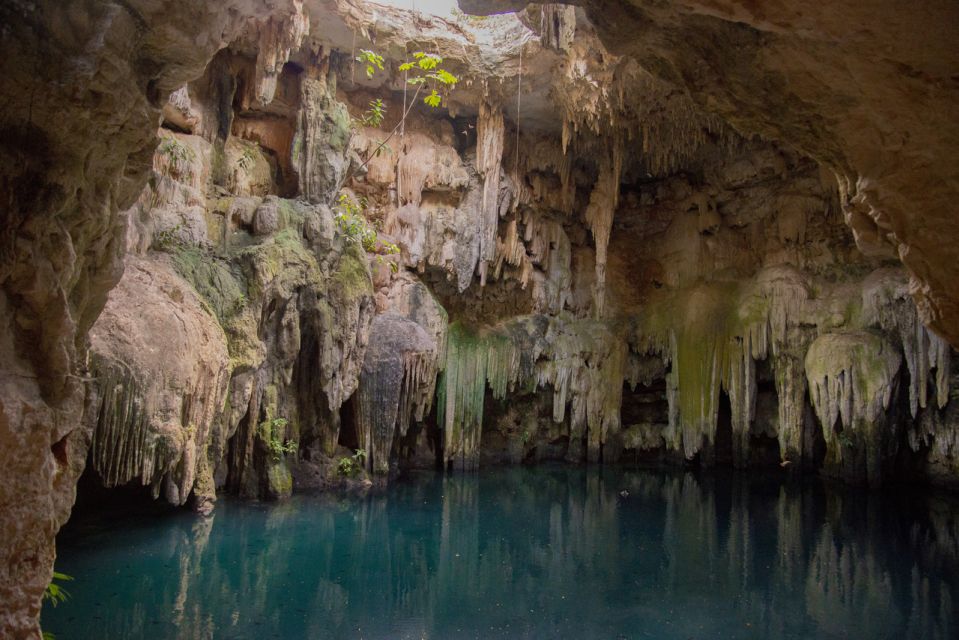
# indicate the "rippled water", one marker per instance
pixel 526 553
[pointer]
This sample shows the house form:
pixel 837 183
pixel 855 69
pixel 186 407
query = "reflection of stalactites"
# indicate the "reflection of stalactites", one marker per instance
pixel 490 129
pixel 190 558
pixel 845 581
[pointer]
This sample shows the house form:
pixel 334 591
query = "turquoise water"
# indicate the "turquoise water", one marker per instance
pixel 525 553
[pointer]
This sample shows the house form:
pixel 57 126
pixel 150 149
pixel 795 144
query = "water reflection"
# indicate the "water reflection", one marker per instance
pixel 528 553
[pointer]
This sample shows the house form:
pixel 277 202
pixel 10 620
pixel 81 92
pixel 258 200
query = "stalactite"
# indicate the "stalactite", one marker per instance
pixel 397 384
pixel 712 336
pixel 791 392
pixel 141 436
pixel 557 25
pixel 599 214
pixel 424 165
pixel 585 364
pixel 490 130
pixel 277 39
pixel 739 379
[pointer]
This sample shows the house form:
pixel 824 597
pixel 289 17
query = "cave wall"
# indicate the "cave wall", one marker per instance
pixel 83 84
pixel 185 311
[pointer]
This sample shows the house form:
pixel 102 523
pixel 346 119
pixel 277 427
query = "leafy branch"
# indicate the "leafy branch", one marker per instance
pixel 55 593
pixel 277 445
pixel 350 466
pixel 372 60
pixel 426 73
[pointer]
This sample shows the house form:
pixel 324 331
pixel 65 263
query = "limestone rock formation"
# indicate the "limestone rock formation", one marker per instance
pixel 161 368
pixel 687 232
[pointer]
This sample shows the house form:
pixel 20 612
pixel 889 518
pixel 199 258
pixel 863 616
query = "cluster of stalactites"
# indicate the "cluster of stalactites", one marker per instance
pixel 132 442
pixel 664 127
pixel 474 359
pixel 722 336
pixel 585 364
pixel 852 378
pixel 277 38
pixel 582 361
pixel 887 304
pixel 490 129
pixel 541 243
pixel 423 166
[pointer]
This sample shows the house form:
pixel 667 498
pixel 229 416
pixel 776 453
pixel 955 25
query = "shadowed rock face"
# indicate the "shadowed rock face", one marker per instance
pixel 867 89
pixel 82 86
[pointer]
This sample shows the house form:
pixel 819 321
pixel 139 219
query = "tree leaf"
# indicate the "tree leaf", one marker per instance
pixel 433 99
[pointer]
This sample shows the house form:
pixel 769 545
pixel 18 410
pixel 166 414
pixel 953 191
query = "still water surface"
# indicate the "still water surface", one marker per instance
pixel 526 553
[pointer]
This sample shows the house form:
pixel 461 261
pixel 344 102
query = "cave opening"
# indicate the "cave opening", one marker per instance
pixel 644 416
pixel 348 436
pixel 722 453
pixel 97 503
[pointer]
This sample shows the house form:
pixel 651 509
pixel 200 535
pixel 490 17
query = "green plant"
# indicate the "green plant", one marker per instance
pixel 350 466
pixel 372 60
pixel 350 220
pixel 178 156
pixel 167 239
pixel 239 302
pixel 353 224
pixel 55 593
pixel 247 159
pixel 373 117
pixel 278 446
pixel 426 72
